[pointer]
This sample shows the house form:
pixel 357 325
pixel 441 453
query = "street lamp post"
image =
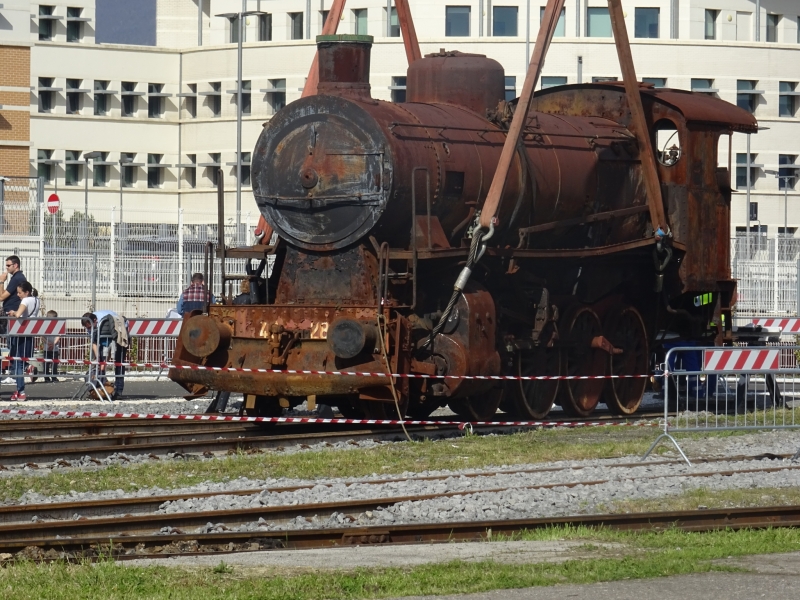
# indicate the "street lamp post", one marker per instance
pixel 87 157
pixel 785 179
pixel 240 16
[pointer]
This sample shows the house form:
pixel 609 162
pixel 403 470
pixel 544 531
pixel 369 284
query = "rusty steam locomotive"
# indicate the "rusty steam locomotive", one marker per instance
pixel 375 205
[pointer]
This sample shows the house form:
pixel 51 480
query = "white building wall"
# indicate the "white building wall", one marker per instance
pixel 177 62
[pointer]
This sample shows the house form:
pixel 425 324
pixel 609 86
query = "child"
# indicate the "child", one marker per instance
pixel 52 351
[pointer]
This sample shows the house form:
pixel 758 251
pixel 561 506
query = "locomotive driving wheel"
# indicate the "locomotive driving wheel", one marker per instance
pixel 480 407
pixel 625 330
pixel 533 398
pixel 579 397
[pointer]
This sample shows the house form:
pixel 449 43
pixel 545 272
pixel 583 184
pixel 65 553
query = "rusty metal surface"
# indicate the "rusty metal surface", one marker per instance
pixel 451 77
pixel 408 31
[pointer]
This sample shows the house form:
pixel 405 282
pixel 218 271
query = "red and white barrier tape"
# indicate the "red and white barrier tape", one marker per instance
pixel 310 372
pixel 296 420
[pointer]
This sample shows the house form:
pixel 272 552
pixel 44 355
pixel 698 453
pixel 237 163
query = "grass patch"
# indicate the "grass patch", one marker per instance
pixel 660 554
pixel 470 452
pixel 701 497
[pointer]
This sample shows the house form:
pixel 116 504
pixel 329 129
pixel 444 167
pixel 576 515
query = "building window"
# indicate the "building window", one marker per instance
pixel 45 23
pixel 456 21
pixel 245 168
pixel 215 98
pixel 190 171
pixel 296 25
pixel 100 98
pixel 711 24
pixel 127 171
pixel 44 165
pixel 798 30
pixel 553 81
pixel 276 95
pixel 561 26
pixel 657 82
pixel 646 23
pixel 74 24
pixel 787 105
pixel 603 79
pixel 129 96
pixel 46 94
pixel 233 37
pixel 323 17
pixel 510 87
pixel 747 95
pixel 705 86
pixel 191 101
pixel 772 27
pixel 741 171
pixel 72 167
pixel 264 28
pixel 155 100
pixel 787 169
pixel 74 94
pixel 246 98
pixel 398 89
pixel 598 22
pixel 100 171
pixel 504 21
pixel 154 170
pixel 360 21
pixel 394 24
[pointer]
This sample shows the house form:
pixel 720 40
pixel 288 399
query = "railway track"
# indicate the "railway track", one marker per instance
pixel 149 545
pixel 42 441
pixel 59 525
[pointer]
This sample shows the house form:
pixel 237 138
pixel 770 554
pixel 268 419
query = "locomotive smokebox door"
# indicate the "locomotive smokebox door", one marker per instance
pixel 322 164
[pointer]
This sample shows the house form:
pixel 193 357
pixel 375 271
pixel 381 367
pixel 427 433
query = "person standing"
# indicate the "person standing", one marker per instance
pixel 21 346
pixel 195 297
pixel 52 352
pixel 9 296
pixel 104 327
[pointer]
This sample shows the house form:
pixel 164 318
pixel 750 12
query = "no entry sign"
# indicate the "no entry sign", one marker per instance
pixel 53 204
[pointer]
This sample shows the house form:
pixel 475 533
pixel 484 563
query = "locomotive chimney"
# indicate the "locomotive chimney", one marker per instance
pixel 344 65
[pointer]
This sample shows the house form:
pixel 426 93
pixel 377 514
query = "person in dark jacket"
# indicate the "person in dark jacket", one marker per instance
pixel 9 296
pixel 103 329
pixel 244 296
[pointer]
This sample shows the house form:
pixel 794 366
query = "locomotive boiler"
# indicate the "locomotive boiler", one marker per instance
pixel 375 205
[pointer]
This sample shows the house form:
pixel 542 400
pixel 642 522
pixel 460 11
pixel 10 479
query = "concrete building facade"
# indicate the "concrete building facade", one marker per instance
pixel 163 117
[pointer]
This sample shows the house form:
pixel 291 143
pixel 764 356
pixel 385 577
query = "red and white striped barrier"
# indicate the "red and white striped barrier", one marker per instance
pixel 309 372
pixel 37 327
pixel 296 420
pixel 786 325
pixel 741 359
pixel 159 327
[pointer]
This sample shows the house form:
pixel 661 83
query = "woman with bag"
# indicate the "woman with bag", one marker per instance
pixel 21 346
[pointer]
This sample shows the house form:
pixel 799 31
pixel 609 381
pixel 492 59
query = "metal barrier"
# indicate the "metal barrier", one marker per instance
pixel 60 348
pixel 153 341
pixel 729 389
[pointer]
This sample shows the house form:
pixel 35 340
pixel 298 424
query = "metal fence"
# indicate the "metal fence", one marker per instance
pixel 768 274
pixel 20 198
pixel 727 389
pixel 137 268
